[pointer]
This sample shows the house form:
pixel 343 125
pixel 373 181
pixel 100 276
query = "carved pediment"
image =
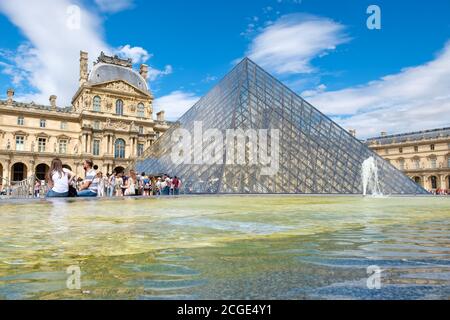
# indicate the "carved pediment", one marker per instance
pixel 121 86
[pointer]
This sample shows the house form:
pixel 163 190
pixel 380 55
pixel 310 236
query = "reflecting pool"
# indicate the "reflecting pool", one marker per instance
pixel 226 247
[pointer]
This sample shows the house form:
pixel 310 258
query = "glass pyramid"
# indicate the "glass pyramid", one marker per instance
pixel 316 156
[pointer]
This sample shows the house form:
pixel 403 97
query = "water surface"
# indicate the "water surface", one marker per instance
pixel 226 247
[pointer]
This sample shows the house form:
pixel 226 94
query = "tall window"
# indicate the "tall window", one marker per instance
pixel 433 163
pixel 416 163
pixel 119 152
pixel 41 144
pixel 42 123
pixel 119 107
pixel 96 148
pixel 20 121
pixel 63 125
pixel 63 146
pixel 140 110
pixel 97 104
pixel 432 147
pixel 416 148
pixel 140 149
pixel 433 182
pixel 141 130
pixel 20 143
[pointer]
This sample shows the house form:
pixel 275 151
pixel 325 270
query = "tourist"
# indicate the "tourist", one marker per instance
pixel 112 184
pixel 145 185
pixel 58 180
pixel 176 185
pixel 131 184
pixel 123 186
pixel 37 189
pixel 158 186
pixel 118 184
pixel 89 188
pixel 101 184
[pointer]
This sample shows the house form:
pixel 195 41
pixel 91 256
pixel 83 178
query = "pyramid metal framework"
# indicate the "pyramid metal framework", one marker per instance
pixel 316 156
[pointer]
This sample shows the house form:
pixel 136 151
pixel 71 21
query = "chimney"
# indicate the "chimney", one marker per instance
pixel 10 94
pixel 160 116
pixel 383 133
pixel 83 67
pixel 352 132
pixel 144 71
pixel 53 101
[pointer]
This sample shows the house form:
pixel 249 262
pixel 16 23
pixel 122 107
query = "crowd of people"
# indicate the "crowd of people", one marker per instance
pixel 61 183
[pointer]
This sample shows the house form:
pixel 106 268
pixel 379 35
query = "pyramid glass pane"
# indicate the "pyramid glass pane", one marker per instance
pixel 316 156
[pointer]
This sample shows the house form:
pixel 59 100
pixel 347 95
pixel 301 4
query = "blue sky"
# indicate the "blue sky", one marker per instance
pixel 395 79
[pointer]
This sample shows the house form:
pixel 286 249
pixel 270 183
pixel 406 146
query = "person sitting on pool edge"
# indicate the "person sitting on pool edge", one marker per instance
pixel 89 188
pixel 58 180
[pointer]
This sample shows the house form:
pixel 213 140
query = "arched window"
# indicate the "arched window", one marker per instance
pixel 433 182
pixel 119 152
pixel 97 104
pixel 119 107
pixel 141 110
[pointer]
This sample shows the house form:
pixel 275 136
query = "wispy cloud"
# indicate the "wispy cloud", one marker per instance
pixel 415 98
pixel 176 103
pixel 113 6
pixel 47 63
pixel 290 44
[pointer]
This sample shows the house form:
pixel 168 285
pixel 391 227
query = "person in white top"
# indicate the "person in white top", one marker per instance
pixel 58 180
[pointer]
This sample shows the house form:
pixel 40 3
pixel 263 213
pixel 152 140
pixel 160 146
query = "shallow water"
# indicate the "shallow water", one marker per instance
pixel 227 247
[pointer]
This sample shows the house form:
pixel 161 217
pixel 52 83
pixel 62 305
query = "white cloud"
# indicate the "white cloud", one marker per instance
pixel 415 98
pixel 288 45
pixel 154 74
pixel 137 54
pixel 50 60
pixel 175 104
pixel 47 63
pixel 113 6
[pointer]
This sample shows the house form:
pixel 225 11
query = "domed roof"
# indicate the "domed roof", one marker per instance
pixel 104 72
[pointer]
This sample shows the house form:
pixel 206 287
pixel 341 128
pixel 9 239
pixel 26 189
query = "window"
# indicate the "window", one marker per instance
pixel 97 125
pixel 416 148
pixel 41 144
pixel 119 107
pixel 432 147
pixel 20 121
pixel 20 143
pixel 433 182
pixel 42 123
pixel 119 152
pixel 402 164
pixel 141 110
pixel 97 103
pixel 63 125
pixel 416 163
pixel 62 146
pixel 141 130
pixel 96 148
pixel 140 149
pixel 433 163
pixel 400 150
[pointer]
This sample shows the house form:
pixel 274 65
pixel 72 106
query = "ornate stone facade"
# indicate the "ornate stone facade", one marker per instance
pixel 423 156
pixel 110 121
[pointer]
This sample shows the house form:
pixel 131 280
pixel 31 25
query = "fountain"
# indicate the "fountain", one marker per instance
pixel 369 177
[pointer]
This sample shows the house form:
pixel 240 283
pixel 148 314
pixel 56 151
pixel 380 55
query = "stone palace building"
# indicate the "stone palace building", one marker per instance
pixel 424 156
pixel 110 121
